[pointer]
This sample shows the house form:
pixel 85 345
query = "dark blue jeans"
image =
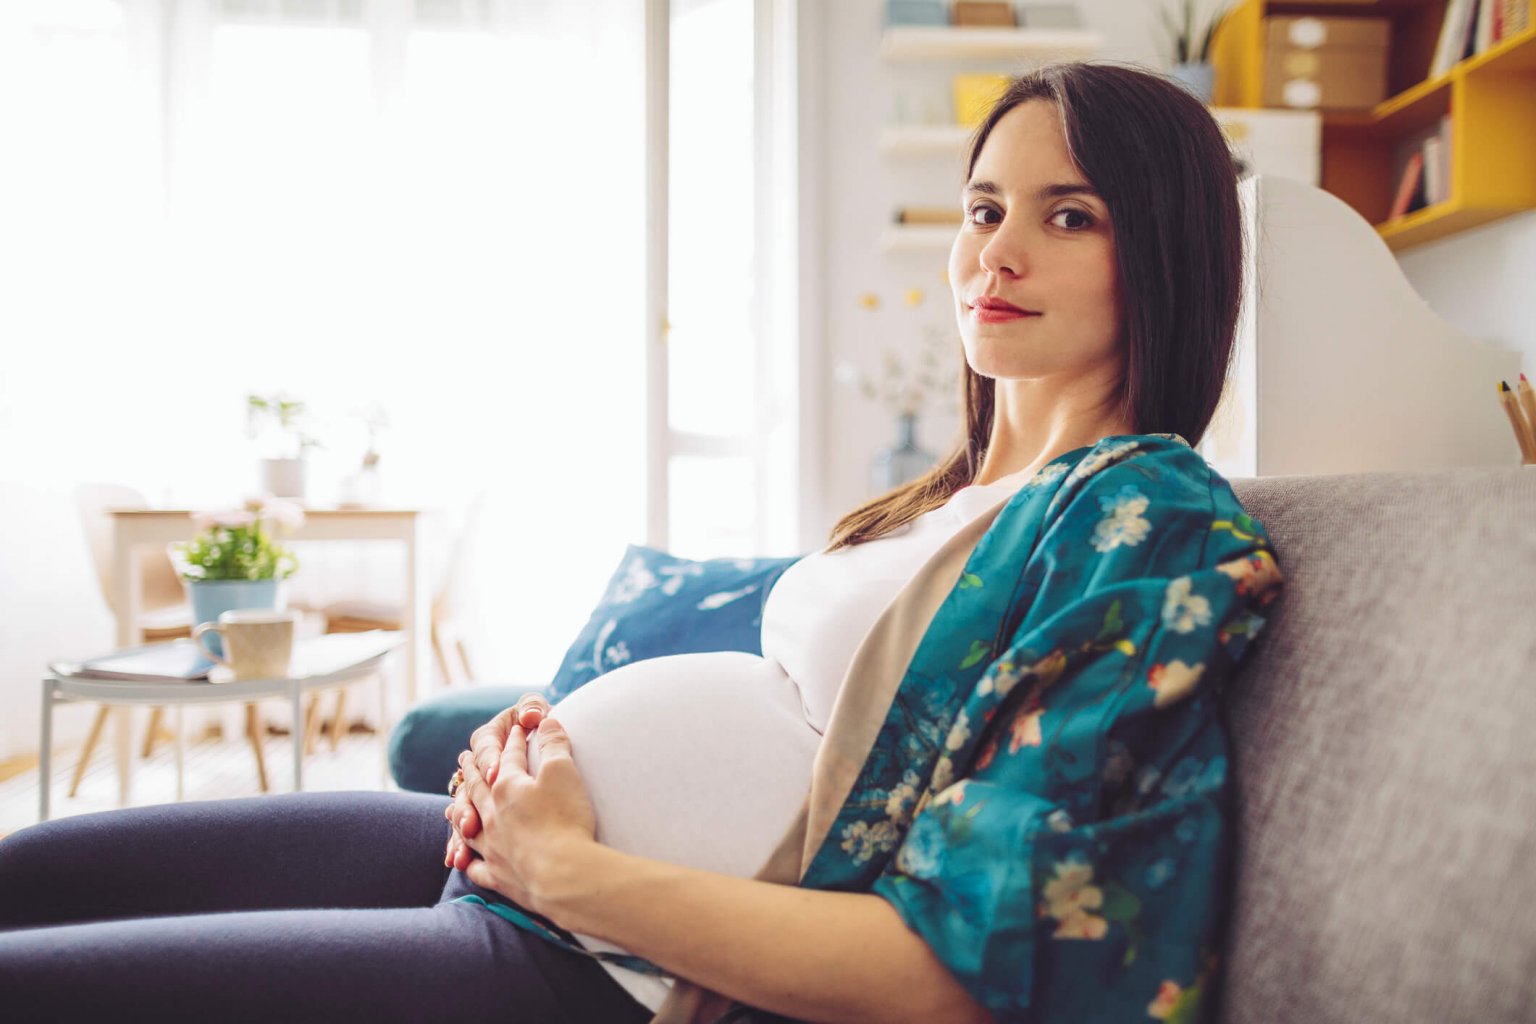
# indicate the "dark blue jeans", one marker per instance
pixel 300 907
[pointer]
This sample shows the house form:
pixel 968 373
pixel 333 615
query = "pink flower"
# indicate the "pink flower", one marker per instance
pixel 1255 573
pixel 1024 731
pixel 1173 681
pixel 286 514
pixel 1167 998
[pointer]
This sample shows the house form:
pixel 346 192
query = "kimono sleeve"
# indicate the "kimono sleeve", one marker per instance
pixel 1068 860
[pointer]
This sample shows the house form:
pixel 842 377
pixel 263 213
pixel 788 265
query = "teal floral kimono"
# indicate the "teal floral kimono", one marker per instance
pixel 1027 759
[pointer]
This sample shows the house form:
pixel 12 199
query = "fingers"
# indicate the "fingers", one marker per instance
pixel 531 709
pixel 462 814
pixel 475 787
pixel 514 756
pixel 554 742
pixel 453 853
pixel 486 742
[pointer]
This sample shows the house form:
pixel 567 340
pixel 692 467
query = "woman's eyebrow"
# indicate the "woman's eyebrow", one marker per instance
pixel 1054 191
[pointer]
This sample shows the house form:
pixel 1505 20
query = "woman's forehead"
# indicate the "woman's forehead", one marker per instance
pixel 1027 142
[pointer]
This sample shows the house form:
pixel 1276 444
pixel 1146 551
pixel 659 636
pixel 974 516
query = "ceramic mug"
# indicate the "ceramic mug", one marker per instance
pixel 258 642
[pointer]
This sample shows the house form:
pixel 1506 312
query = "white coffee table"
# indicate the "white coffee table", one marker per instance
pixel 61 686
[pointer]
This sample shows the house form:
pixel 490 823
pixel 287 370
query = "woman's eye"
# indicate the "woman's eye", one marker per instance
pixel 979 211
pixel 1084 220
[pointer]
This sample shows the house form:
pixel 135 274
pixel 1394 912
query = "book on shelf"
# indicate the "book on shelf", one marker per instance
pixel 1437 163
pixel 1453 35
pixel 1483 35
pixel 1434 183
pixel 1409 186
pixel 1495 21
pixel 1516 17
pixel 929 215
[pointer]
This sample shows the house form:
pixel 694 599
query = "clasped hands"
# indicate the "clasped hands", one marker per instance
pixel 510 826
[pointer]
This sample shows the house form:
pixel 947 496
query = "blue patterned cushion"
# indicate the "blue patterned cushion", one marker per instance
pixel 658 604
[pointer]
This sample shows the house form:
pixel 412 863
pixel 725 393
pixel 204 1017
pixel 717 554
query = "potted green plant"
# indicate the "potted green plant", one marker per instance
pixel 279 424
pixel 235 561
pixel 1191 30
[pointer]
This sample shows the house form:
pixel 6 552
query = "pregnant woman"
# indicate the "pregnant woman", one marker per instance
pixel 978 773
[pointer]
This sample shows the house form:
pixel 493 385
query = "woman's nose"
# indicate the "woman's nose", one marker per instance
pixel 1003 254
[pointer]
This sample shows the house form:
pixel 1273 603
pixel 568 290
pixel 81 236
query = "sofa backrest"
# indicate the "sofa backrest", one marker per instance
pixel 1384 737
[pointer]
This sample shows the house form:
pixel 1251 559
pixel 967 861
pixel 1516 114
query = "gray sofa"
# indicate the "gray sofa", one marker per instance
pixel 1384 736
pixel 1385 748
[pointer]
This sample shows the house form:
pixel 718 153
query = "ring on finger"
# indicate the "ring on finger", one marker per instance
pixel 455 782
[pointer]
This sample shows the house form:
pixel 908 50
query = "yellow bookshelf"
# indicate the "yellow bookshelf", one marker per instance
pixel 1490 97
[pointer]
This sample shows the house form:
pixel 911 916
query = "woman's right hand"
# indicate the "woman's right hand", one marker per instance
pixel 485 746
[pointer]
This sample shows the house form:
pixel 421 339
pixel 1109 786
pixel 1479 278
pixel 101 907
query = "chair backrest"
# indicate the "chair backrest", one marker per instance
pixel 453 585
pixel 1384 741
pixel 449 621
pixel 94 501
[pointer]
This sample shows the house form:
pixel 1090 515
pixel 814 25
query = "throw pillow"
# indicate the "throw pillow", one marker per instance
pixel 658 604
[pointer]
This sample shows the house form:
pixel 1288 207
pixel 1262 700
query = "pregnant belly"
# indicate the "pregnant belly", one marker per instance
pixel 695 759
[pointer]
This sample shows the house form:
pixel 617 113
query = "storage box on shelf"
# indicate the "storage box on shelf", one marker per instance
pixel 1313 63
pixel 1489 100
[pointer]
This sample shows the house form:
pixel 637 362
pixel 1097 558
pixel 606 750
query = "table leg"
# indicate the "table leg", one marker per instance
pixel 296 700
pixel 124 754
pixel 45 753
pixel 181 757
pixel 384 727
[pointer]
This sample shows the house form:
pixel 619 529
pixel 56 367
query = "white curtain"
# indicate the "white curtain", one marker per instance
pixel 435 207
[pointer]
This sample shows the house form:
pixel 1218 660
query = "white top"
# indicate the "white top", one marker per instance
pixel 704 759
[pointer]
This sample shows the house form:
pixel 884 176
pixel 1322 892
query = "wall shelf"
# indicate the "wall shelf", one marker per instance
pixel 919 238
pixel 924 140
pixel 920 42
pixel 1490 99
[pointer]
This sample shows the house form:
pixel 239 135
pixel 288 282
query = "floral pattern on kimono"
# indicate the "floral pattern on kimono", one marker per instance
pixel 1047 801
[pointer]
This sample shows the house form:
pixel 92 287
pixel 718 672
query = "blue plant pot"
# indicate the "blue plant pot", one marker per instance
pixel 212 598
pixel 1197 79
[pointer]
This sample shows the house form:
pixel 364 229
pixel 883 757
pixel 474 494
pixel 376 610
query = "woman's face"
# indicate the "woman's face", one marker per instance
pixel 1036 237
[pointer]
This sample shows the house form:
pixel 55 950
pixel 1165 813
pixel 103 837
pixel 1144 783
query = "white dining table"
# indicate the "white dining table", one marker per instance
pixel 133 528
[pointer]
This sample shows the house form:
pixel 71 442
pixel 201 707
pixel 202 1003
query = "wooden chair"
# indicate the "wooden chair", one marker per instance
pixel 448 634
pixel 165 616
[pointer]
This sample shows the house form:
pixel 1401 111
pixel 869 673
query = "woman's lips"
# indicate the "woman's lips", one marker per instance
pixel 983 315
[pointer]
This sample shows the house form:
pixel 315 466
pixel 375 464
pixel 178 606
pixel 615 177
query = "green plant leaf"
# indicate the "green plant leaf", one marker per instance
pixel 979 649
pixel 1120 904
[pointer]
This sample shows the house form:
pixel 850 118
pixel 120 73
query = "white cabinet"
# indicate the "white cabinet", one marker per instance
pixel 1275 143
pixel 1341 367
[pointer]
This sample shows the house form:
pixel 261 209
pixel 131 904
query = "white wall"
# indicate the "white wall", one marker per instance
pixel 1481 281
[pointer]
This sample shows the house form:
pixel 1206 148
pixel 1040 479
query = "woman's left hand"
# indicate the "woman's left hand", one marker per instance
pixel 528 823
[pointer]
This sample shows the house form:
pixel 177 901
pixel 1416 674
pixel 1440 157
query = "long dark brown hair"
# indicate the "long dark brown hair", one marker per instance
pixel 1158 158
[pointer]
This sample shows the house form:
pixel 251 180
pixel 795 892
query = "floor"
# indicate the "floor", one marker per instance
pixel 215 768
